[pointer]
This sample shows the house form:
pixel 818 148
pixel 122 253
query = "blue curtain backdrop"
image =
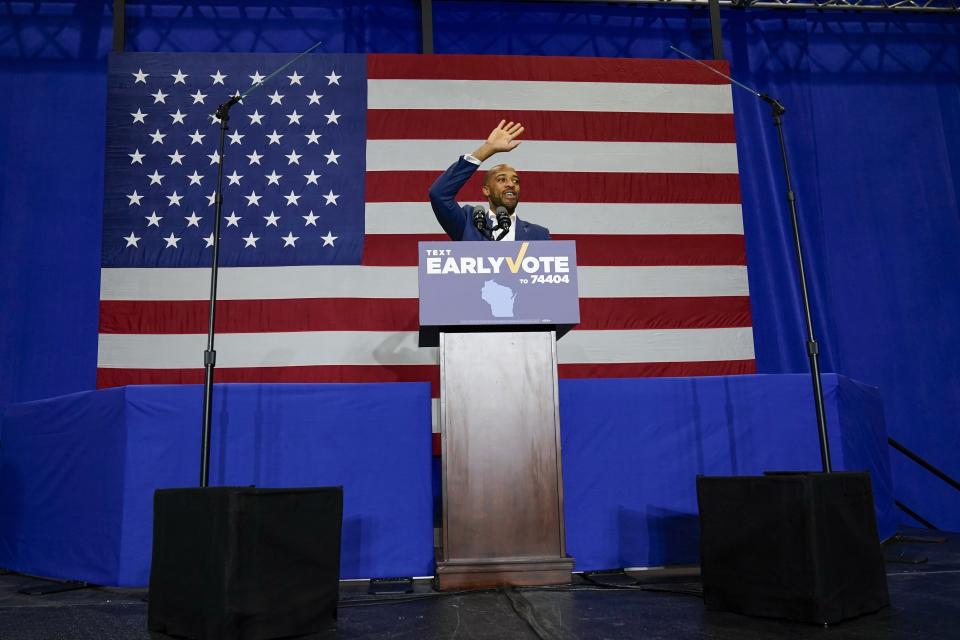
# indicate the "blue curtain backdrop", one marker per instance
pixel 872 126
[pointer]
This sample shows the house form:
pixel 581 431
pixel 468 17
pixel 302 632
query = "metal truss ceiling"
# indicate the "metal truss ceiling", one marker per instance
pixel 915 6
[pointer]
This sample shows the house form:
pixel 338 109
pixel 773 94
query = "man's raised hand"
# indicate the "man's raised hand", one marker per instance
pixel 502 138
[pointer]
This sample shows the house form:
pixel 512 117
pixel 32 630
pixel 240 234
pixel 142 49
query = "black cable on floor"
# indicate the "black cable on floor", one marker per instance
pixel 678 590
pixel 528 613
pixel 596 586
pixel 365 602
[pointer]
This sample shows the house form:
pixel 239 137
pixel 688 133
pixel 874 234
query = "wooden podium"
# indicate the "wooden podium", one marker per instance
pixel 499 414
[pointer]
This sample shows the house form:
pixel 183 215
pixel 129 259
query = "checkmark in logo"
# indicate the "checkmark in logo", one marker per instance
pixel 514 263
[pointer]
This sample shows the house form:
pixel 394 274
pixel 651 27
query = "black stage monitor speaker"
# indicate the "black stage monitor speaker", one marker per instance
pixel 245 563
pixel 801 546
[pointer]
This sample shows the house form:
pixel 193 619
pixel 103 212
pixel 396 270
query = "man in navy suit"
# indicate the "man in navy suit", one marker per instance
pixel 501 186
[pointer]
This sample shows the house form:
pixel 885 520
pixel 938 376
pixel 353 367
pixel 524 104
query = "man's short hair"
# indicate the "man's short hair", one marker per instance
pixel 492 170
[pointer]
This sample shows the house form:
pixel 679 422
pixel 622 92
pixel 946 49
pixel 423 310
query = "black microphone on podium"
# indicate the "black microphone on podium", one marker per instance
pixel 503 221
pixel 480 222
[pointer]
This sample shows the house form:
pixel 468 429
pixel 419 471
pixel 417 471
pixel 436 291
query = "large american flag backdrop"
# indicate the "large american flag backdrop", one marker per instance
pixel 326 171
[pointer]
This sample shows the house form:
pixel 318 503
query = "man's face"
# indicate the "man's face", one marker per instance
pixel 502 187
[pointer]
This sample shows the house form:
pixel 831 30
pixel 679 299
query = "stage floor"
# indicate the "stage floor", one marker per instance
pixel 664 604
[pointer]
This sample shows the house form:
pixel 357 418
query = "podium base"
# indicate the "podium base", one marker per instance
pixel 487 573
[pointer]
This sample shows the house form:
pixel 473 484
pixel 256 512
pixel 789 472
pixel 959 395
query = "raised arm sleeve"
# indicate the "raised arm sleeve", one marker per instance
pixel 443 196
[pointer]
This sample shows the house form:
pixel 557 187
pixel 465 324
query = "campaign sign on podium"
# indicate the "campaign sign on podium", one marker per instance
pixel 495 310
pixel 464 284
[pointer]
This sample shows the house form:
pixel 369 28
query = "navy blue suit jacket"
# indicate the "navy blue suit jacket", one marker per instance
pixel 457 221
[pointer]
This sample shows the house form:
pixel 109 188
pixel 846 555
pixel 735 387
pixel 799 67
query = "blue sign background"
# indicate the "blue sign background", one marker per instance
pixel 541 297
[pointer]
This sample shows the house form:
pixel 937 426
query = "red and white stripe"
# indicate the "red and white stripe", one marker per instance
pixel 634 159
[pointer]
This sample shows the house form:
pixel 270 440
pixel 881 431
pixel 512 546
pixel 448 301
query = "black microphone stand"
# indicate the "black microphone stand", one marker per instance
pixel 480 222
pixel 210 355
pixel 503 222
pixel 813 350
